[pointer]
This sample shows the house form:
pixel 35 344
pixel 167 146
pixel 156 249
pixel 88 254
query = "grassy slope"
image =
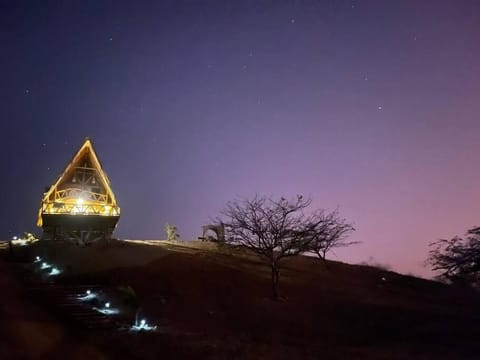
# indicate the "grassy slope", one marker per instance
pixel 215 305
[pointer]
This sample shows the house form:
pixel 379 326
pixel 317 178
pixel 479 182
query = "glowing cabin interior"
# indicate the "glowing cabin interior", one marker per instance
pixel 83 189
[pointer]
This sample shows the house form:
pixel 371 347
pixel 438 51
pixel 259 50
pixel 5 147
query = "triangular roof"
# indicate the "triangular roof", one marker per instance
pixel 86 151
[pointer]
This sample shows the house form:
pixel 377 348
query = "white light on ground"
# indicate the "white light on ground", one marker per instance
pixel 107 305
pixel 143 326
pixel 88 296
pixel 37 259
pixel 107 311
pixel 45 265
pixel 54 271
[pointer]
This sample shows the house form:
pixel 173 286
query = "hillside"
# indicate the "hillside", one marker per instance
pixel 215 304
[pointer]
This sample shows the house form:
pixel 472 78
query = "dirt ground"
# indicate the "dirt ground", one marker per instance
pixel 215 304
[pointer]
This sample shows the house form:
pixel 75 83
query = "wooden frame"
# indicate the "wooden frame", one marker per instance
pixel 82 192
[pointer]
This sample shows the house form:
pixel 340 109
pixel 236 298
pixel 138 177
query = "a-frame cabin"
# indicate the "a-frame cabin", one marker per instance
pixel 80 206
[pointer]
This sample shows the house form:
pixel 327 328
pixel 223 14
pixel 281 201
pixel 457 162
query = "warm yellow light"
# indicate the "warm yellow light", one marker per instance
pixel 79 207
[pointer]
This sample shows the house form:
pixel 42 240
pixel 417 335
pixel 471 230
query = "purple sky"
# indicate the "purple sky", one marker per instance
pixel 372 106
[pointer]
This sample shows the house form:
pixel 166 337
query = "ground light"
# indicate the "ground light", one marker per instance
pixel 45 265
pixel 88 296
pixel 143 326
pixel 38 259
pixel 54 271
pixel 107 309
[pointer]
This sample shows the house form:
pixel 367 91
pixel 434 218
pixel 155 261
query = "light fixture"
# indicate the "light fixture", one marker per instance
pixel 88 296
pixel 106 309
pixel 54 271
pixel 143 326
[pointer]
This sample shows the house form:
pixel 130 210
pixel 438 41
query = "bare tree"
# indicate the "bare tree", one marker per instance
pixel 329 234
pixel 458 259
pixel 274 229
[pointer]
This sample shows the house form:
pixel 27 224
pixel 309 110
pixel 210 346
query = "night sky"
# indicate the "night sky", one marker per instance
pixel 371 106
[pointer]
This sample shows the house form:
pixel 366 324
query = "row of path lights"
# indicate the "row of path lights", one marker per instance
pixel 90 296
pixel 45 265
pixel 107 309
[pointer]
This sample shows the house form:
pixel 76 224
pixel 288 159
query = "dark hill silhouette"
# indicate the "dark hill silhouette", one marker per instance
pixel 210 304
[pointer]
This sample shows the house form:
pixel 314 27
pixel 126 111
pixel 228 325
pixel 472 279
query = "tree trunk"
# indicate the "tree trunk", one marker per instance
pixel 324 258
pixel 275 279
pixel 322 255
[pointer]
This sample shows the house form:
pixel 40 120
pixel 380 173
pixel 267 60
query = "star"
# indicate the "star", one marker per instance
pixel 27 91
pixel 292 21
pixel 380 108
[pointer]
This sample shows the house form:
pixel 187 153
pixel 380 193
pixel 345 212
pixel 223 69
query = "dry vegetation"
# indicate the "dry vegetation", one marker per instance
pixel 215 304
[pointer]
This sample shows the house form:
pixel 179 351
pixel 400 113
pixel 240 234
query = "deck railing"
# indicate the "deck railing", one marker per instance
pixel 80 209
pixel 75 193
